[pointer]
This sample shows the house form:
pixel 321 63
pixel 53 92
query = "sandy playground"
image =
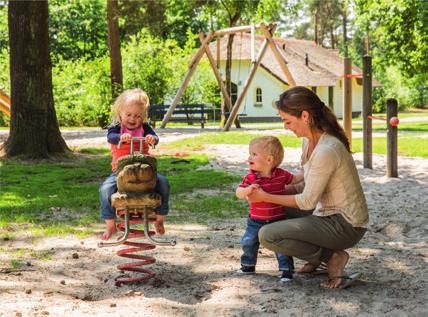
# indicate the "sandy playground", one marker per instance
pixel 196 277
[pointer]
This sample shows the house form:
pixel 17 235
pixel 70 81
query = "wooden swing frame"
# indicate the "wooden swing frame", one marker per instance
pixel 267 30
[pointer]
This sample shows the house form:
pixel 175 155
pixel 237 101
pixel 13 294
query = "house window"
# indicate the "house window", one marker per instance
pixel 259 98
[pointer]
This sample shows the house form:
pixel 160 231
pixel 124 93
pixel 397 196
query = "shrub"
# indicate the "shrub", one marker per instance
pixel 82 92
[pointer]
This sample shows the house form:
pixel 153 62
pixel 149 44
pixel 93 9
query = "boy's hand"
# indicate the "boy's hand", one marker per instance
pixel 126 137
pixel 150 139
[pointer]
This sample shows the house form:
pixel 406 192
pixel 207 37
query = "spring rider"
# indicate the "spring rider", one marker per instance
pixel 135 202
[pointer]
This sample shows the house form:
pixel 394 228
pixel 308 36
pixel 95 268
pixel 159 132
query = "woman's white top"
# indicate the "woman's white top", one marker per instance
pixel 331 182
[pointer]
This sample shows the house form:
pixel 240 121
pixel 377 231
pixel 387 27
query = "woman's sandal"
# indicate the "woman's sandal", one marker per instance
pixel 347 280
pixel 321 269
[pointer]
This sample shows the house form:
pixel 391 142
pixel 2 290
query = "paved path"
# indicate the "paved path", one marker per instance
pixel 84 137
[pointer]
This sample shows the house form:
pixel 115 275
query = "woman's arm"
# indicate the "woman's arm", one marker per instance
pixel 283 200
pixel 297 178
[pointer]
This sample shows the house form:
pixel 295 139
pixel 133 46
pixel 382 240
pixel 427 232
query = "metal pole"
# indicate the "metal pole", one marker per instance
pixel 367 111
pixel 347 99
pixel 392 134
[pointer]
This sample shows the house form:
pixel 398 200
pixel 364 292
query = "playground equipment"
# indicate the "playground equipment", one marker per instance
pixel 267 30
pixel 4 103
pixel 135 202
pixel 391 119
pixel 394 121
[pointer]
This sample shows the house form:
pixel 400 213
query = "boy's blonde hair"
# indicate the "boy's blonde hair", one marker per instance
pixel 271 146
pixel 131 96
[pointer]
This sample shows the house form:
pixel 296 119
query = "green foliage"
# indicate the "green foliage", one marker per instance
pixel 151 64
pixel 4 30
pixel 399 42
pixel 136 15
pixel 182 16
pixel 158 66
pixel 77 29
pixel 82 92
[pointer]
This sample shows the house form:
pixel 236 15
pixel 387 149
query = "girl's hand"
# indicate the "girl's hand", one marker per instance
pixel 126 137
pixel 256 196
pixel 150 139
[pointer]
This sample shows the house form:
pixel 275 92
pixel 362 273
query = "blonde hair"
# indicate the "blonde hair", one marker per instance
pixel 271 146
pixel 134 96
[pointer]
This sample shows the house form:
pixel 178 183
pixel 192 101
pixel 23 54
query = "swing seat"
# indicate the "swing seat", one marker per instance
pixel 131 201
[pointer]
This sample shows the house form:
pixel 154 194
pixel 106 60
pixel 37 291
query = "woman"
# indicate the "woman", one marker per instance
pixel 331 187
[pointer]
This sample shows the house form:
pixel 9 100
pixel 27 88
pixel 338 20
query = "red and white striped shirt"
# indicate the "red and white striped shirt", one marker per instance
pixel 275 184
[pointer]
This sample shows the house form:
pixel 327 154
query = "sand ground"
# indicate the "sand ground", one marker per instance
pixel 196 277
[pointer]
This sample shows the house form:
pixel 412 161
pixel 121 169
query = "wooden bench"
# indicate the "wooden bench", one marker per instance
pixel 182 113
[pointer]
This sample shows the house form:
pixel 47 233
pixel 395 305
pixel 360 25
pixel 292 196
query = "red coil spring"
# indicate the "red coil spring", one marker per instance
pixel 137 247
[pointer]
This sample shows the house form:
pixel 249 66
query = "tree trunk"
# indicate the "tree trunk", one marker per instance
pixel 316 27
pixel 114 48
pixel 321 25
pixel 34 131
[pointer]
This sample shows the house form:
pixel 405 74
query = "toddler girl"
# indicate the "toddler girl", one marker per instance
pixel 130 120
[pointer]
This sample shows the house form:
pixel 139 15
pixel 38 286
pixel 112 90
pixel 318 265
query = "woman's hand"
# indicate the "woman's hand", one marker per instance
pixel 257 196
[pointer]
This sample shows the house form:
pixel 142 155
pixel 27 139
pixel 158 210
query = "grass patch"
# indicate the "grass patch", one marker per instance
pixel 58 199
pixel 407 146
pixel 200 207
pixel 195 143
pixel 93 150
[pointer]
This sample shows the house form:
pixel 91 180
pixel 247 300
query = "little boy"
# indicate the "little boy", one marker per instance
pixel 266 154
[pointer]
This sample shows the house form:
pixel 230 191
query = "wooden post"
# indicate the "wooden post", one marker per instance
pixel 223 89
pixel 347 99
pixel 218 52
pixel 392 133
pixel 192 67
pixel 253 46
pixel 280 59
pixel 367 111
pixel 235 109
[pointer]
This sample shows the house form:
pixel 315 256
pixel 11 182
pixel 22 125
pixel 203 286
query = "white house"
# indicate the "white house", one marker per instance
pixel 313 66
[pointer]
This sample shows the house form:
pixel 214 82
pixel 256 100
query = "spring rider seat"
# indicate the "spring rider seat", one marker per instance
pixel 135 202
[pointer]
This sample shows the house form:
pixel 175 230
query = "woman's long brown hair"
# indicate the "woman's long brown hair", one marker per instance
pixel 298 99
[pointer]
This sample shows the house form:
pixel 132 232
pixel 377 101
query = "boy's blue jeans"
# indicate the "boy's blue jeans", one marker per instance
pixel 250 244
pixel 109 187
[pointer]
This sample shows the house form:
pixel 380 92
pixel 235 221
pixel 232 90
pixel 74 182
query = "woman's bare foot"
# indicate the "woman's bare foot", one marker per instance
pixel 307 268
pixel 159 224
pixel 335 267
pixel 110 230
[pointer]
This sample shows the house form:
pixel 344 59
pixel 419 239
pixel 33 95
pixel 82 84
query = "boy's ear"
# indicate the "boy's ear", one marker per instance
pixel 270 159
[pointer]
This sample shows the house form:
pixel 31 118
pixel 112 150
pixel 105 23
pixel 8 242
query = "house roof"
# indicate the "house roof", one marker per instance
pixel 325 66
